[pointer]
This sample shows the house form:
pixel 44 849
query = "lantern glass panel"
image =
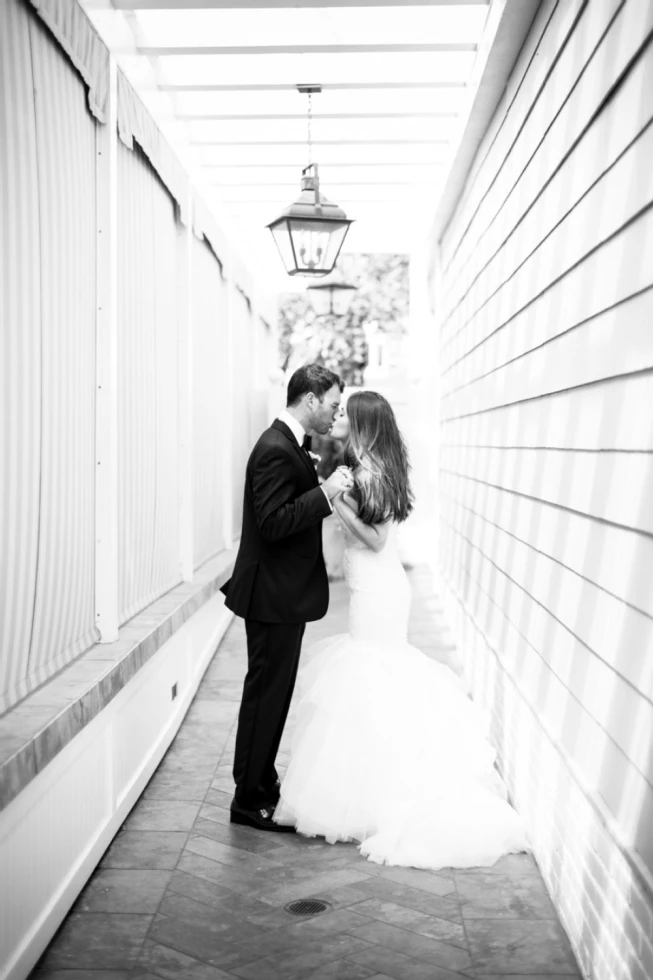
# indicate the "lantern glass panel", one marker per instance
pixel 338 235
pixel 311 241
pixel 316 244
pixel 281 234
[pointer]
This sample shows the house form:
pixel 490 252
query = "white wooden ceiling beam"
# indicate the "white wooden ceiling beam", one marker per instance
pixel 288 87
pixel 301 116
pixel 363 142
pixel 340 173
pixel 304 49
pixel 280 4
pixel 329 164
pixel 333 182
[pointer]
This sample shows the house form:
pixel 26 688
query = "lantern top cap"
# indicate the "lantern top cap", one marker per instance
pixel 306 207
pixel 312 204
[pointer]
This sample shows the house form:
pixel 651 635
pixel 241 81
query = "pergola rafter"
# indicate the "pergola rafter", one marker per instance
pixel 279 4
pixel 326 86
pixel 304 49
pixel 282 117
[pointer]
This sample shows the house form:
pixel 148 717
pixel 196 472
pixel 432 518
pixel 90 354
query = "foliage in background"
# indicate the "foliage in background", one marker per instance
pixel 380 301
pixel 340 343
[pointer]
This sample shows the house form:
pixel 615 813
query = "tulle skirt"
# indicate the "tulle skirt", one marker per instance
pixel 389 751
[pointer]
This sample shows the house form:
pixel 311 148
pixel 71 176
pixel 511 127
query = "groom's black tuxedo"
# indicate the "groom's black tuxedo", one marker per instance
pixel 279 583
pixel 279 575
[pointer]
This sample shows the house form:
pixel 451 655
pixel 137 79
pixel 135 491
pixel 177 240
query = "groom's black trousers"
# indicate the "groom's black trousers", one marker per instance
pixel 273 657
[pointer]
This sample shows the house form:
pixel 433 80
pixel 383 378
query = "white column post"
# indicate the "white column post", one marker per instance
pixel 228 468
pixel 185 394
pixel 106 444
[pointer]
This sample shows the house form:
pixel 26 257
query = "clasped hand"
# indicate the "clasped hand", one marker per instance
pixel 340 481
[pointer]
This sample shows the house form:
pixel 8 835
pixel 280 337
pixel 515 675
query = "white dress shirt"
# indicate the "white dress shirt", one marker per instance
pixel 299 432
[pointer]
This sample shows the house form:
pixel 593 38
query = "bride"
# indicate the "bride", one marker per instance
pixel 388 750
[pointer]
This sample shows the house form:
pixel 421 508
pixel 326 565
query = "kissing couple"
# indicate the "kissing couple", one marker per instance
pixel 388 750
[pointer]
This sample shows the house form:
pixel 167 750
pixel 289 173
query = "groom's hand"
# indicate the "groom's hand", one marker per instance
pixel 340 481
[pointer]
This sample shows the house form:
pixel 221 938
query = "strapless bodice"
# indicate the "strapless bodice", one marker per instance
pixel 380 592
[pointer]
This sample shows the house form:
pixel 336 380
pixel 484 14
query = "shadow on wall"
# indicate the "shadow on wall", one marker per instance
pixel 550 626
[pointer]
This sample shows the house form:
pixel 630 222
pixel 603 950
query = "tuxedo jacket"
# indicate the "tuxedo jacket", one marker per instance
pixel 279 575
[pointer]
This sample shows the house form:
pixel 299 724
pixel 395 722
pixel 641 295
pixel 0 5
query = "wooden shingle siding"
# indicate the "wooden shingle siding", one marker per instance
pixel 544 419
pixel 545 308
pixel 604 41
pixel 600 552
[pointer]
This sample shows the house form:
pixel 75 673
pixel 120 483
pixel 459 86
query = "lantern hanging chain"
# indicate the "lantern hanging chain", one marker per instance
pixel 310 120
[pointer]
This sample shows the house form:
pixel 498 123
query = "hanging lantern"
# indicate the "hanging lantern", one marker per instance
pixel 331 298
pixel 310 233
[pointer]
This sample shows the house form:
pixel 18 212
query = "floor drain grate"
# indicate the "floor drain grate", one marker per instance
pixel 306 906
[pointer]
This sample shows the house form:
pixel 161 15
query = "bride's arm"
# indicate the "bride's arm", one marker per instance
pixel 372 535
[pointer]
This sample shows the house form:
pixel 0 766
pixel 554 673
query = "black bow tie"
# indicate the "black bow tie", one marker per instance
pixel 307 443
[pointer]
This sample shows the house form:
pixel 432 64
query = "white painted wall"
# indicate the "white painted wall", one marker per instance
pixel 543 295
pixel 118 343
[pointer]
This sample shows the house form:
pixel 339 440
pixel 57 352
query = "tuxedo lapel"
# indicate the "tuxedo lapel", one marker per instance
pixel 303 455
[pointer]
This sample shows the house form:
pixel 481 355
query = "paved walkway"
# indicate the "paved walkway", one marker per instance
pixel 181 893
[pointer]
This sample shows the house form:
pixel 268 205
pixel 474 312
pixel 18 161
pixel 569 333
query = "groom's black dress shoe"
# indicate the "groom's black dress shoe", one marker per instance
pixel 260 819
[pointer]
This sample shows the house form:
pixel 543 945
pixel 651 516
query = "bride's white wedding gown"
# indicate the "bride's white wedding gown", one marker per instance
pixel 388 750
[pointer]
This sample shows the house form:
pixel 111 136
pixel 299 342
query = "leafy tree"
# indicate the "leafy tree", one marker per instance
pixel 340 343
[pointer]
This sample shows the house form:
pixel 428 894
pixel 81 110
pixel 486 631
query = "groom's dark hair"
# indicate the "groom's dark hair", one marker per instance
pixel 311 377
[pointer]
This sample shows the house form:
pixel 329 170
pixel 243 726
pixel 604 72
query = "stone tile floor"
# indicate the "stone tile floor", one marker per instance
pixel 181 893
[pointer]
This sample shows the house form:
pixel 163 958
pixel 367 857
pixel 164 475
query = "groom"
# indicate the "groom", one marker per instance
pixel 279 582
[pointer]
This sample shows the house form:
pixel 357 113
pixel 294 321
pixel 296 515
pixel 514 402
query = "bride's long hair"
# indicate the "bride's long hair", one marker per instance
pixel 377 454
